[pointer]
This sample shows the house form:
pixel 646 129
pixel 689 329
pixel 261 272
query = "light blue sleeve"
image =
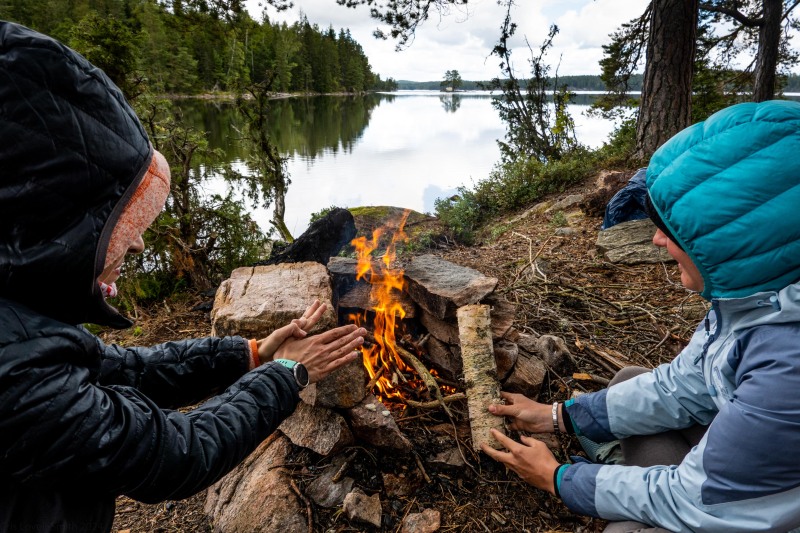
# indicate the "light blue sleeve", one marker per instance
pixel 672 396
pixel 738 477
pixel 670 497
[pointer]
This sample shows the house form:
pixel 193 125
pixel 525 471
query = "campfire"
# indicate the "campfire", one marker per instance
pixel 381 356
pixel 441 344
pixel 397 377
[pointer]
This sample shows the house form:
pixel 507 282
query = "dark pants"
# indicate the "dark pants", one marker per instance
pixel 667 448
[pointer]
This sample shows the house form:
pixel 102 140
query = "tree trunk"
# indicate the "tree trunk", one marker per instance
pixel 279 213
pixel 769 41
pixel 480 373
pixel 666 103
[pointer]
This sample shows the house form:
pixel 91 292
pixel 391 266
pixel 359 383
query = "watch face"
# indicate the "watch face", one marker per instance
pixel 301 375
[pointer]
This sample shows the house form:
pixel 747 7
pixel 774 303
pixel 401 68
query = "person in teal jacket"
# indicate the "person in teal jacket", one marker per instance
pixel 709 440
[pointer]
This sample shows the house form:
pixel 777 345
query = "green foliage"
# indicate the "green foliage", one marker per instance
pixel 623 55
pixel 198 46
pixel 727 31
pixel 267 179
pixel 322 213
pixel 513 184
pixel 109 44
pixel 452 81
pixel 198 238
pixel 498 230
pixel 558 220
pixel 618 151
pixel 516 183
pixel 226 236
pixel 535 112
pixel 420 242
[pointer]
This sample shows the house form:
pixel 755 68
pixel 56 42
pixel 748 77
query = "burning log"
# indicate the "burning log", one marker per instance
pixel 425 376
pixel 480 373
pixel 436 403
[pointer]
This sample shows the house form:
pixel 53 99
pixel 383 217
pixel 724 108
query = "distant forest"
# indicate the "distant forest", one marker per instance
pixel 192 48
pixel 188 47
pixel 573 83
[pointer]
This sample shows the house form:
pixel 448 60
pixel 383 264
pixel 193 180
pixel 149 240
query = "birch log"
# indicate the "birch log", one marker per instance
pixel 480 373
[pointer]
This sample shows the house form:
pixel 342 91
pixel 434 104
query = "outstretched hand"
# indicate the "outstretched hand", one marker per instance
pixel 322 354
pixel 530 459
pixel 525 414
pixel 297 328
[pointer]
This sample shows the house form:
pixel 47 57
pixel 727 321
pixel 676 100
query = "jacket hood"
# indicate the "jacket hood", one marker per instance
pixel 71 153
pixel 729 191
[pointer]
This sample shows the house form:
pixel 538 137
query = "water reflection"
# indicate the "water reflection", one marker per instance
pixel 402 149
pixel 304 127
pixel 450 102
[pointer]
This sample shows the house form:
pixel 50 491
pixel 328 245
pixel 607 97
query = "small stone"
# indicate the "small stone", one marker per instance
pixel 398 486
pixel 376 427
pixel 370 407
pixel 449 459
pixel 327 493
pixel 554 353
pixel 565 203
pixel 385 413
pixel 505 356
pixel 317 429
pixel 362 508
pixel 427 521
pixel 527 377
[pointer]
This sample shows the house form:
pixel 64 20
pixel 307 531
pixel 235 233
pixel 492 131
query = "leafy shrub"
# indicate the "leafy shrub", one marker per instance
pixel 511 185
pixel 620 147
pixel 321 213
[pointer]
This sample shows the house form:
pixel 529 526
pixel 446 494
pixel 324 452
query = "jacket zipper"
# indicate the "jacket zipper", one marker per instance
pixel 711 337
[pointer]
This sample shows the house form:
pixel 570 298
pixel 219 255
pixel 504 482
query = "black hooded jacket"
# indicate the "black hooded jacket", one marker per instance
pixel 82 422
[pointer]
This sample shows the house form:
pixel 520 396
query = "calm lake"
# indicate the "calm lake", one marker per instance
pixel 403 149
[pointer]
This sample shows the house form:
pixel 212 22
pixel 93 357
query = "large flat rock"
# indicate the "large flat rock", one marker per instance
pixel 256 496
pixel 358 294
pixel 631 243
pixel 254 301
pixel 440 287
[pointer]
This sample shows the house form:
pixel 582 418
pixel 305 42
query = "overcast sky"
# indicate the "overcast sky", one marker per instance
pixel 463 39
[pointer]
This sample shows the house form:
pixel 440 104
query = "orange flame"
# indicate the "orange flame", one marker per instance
pixel 385 281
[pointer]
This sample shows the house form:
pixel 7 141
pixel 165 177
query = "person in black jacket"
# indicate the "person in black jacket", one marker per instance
pixel 82 422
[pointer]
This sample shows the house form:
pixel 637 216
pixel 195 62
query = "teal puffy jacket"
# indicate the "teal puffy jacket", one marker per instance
pixel 729 190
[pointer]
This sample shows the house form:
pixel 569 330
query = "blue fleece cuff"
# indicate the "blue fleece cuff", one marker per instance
pixel 559 474
pixel 575 429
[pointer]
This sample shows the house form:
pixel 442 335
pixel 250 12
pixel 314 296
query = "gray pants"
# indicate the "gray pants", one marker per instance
pixel 667 448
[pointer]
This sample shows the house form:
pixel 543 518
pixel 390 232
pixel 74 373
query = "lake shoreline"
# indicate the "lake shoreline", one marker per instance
pixel 229 96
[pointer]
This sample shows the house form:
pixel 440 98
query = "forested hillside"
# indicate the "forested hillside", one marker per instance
pixel 191 47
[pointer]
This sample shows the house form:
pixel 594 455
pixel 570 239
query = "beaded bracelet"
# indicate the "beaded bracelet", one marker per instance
pixel 555 417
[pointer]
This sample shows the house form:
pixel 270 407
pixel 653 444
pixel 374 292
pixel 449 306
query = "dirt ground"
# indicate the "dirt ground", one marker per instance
pixel 610 315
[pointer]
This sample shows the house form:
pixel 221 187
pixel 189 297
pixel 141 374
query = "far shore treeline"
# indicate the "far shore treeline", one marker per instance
pixel 573 83
pixel 193 48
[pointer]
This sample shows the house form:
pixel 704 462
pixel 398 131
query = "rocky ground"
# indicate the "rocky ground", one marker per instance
pixel 609 314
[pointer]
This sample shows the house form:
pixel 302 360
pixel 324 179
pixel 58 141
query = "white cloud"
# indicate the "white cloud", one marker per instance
pixel 463 39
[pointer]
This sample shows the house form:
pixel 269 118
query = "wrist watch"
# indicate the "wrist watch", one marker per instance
pixel 298 370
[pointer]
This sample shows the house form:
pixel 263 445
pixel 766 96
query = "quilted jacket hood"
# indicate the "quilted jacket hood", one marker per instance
pixel 729 191
pixel 71 152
